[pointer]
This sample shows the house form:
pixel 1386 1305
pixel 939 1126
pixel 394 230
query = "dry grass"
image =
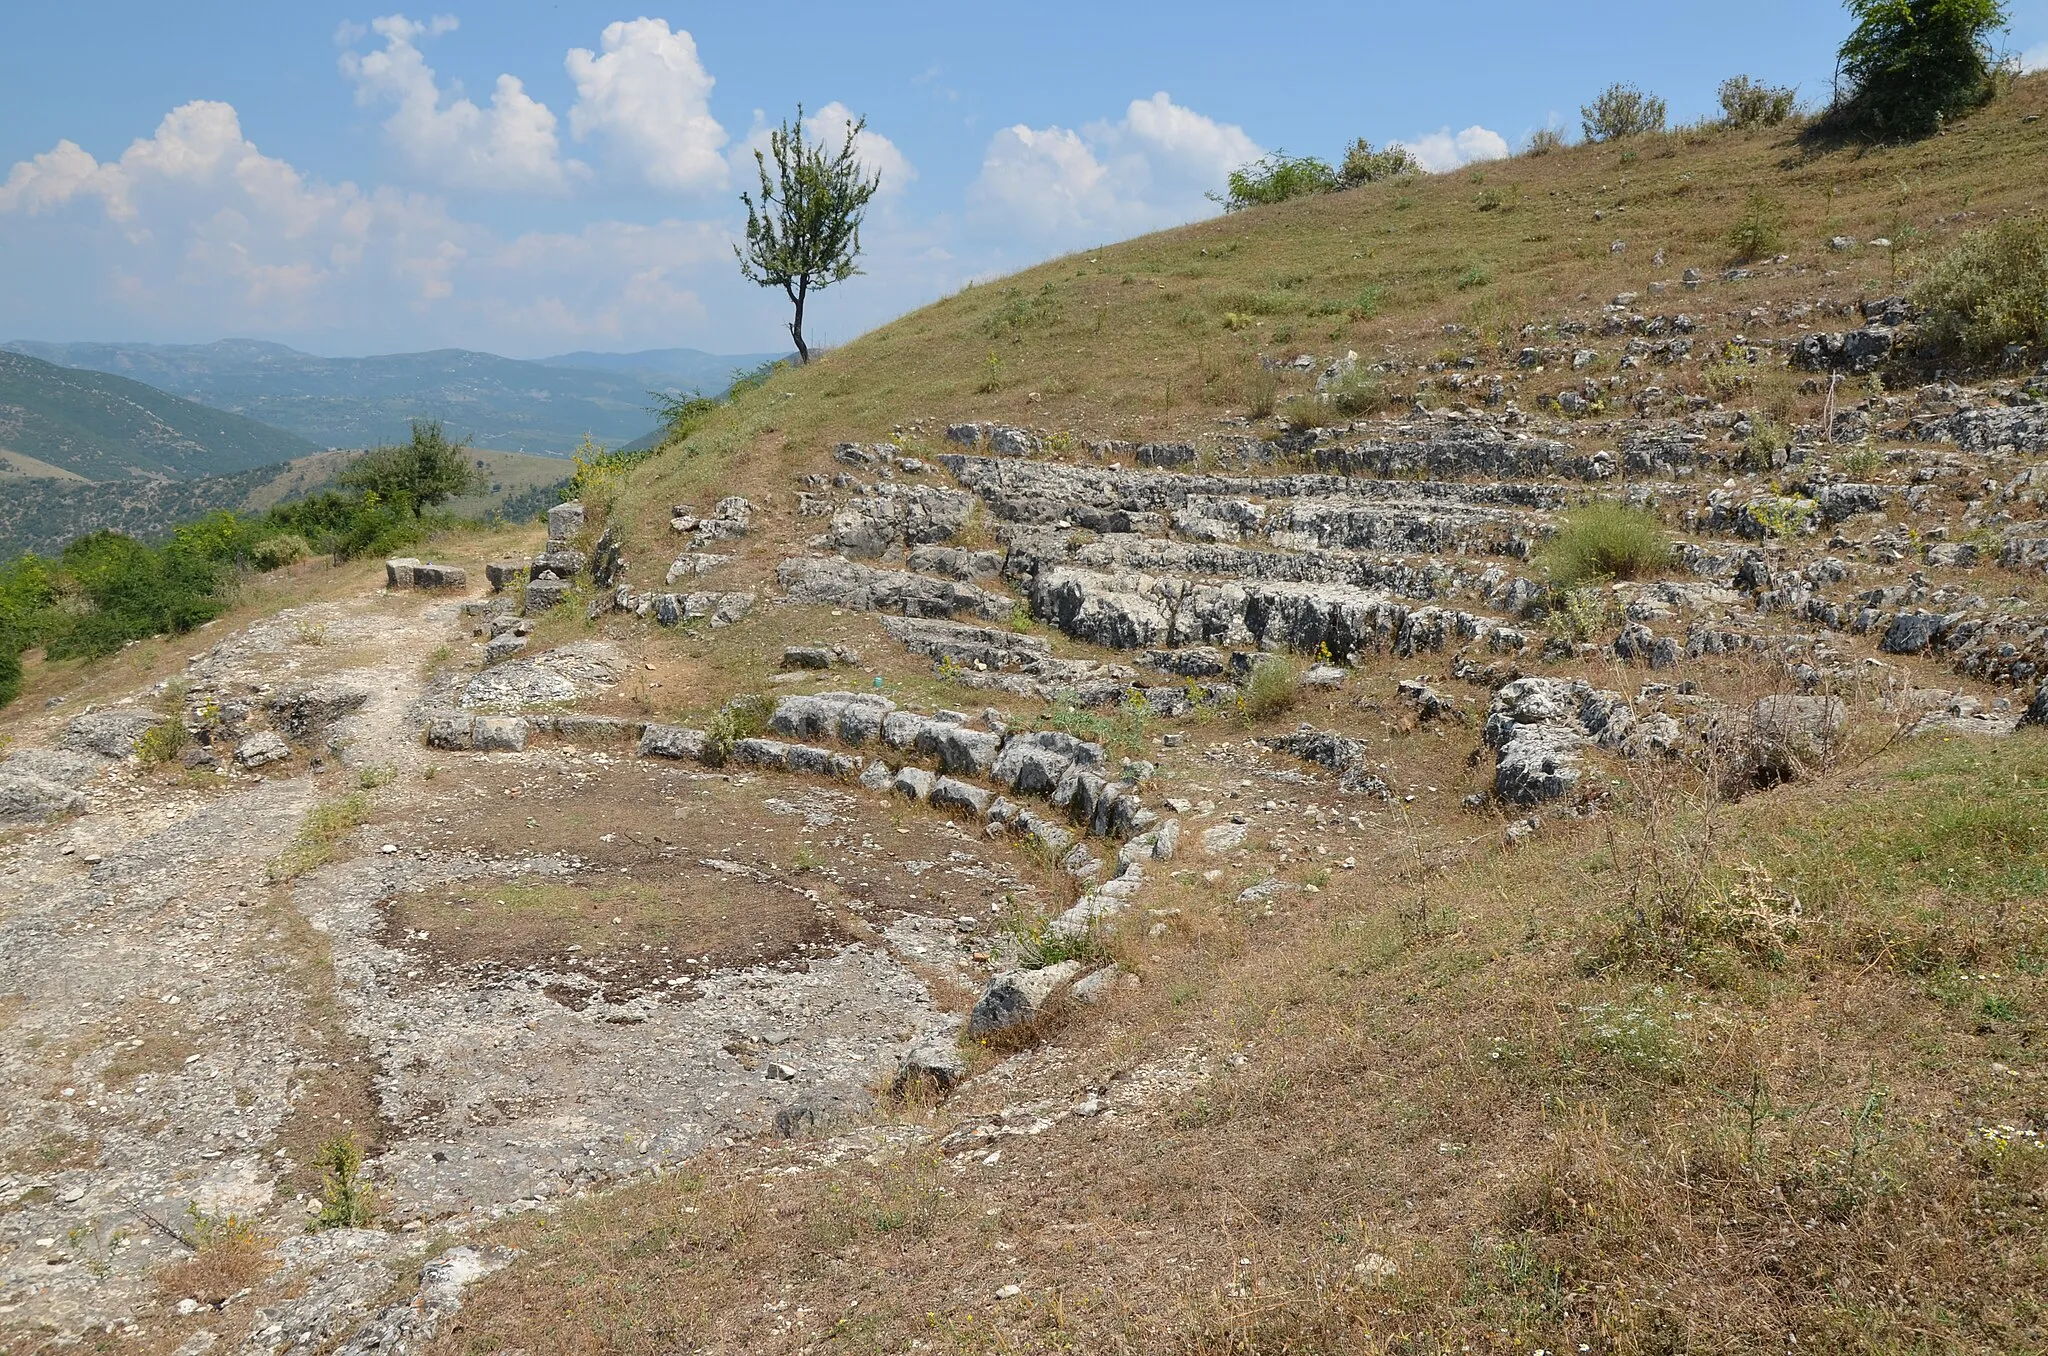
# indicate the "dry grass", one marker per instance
pixel 1154 337
pixel 1474 1124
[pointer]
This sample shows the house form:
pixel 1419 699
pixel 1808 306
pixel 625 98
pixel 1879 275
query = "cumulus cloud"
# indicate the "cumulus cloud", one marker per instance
pixel 827 127
pixel 511 147
pixel 1444 150
pixel 649 96
pixel 2034 59
pixel 1150 168
pixel 193 231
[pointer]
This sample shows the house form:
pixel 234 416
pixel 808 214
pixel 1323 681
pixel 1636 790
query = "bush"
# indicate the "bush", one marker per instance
pixel 1990 291
pixel 345 1200
pixel 1364 165
pixel 1760 230
pixel 129 591
pixel 1605 541
pixel 743 717
pixel 162 743
pixel 1622 111
pixel 1749 103
pixel 1912 64
pixel 1543 141
pixel 1359 392
pixel 1276 178
pixel 1272 689
pixel 274 553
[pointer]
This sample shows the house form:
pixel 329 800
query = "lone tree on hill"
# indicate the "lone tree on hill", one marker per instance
pixel 1911 64
pixel 426 471
pixel 804 233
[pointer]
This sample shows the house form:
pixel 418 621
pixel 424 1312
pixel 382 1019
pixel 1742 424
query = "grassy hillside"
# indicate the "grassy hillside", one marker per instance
pixel 1683 1073
pixel 106 428
pixel 1160 336
pixel 359 402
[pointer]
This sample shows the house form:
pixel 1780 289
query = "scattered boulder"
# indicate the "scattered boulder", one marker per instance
pixel 305 711
pixel 407 573
pixel 26 798
pixel 500 573
pixel 672 741
pixel 1020 997
pixel 1792 735
pixel 935 1061
pixel 818 656
pixel 2037 709
pixel 111 733
pixel 261 749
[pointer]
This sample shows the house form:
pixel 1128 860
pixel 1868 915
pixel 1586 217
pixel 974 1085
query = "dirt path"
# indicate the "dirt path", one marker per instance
pixel 525 975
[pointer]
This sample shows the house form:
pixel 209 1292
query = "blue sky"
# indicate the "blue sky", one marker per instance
pixel 529 178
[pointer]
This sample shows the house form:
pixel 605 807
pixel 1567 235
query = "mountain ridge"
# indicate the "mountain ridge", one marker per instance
pixel 516 403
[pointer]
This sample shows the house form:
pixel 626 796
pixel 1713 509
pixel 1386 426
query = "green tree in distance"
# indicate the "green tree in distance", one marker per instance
pixel 1911 64
pixel 803 235
pixel 426 471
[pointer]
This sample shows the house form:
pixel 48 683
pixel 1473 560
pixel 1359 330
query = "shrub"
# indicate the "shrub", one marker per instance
pixel 274 553
pixel 1622 111
pixel 1543 141
pixel 1359 392
pixel 743 717
pixel 1261 391
pixel 1760 230
pixel 162 743
pixel 1604 541
pixel 1768 441
pixel 1364 165
pixel 1912 64
pixel 1990 290
pixel 1749 103
pixel 1273 688
pixel 1276 178
pixel 345 1201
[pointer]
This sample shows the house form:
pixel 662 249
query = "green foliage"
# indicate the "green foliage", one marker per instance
pixel 320 836
pixel 274 553
pixel 681 415
pixel 1364 165
pixel 743 717
pixel 1620 112
pixel 345 1199
pixel 600 477
pixel 425 471
pixel 1747 103
pixel 1910 65
pixel 1272 689
pixel 803 235
pixel 1781 515
pixel 1760 230
pixel 1577 614
pixel 1990 291
pixel 1359 392
pixel 1604 541
pixel 1543 141
pixel 122 590
pixel 1768 443
pixel 1276 178
pixel 162 743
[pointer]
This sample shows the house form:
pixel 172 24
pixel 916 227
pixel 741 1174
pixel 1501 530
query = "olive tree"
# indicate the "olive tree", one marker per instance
pixel 803 234
pixel 423 472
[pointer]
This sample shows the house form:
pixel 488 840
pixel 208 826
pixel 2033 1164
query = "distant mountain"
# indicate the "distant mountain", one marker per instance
pixel 358 402
pixel 110 428
pixel 691 368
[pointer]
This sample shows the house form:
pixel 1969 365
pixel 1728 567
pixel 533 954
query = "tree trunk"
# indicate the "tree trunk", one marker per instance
pixel 796 327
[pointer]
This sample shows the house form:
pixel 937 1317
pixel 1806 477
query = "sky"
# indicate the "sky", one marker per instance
pixel 530 178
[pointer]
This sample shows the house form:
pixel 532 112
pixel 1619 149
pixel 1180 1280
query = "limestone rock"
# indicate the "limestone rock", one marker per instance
pixel 1019 997
pixel 26 798
pixel 672 741
pixel 111 733
pixel 261 749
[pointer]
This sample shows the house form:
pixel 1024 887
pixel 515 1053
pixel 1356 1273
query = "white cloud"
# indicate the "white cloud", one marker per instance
pixel 827 128
pixel 509 148
pixel 1443 150
pixel 649 96
pixel 2034 59
pixel 1149 169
